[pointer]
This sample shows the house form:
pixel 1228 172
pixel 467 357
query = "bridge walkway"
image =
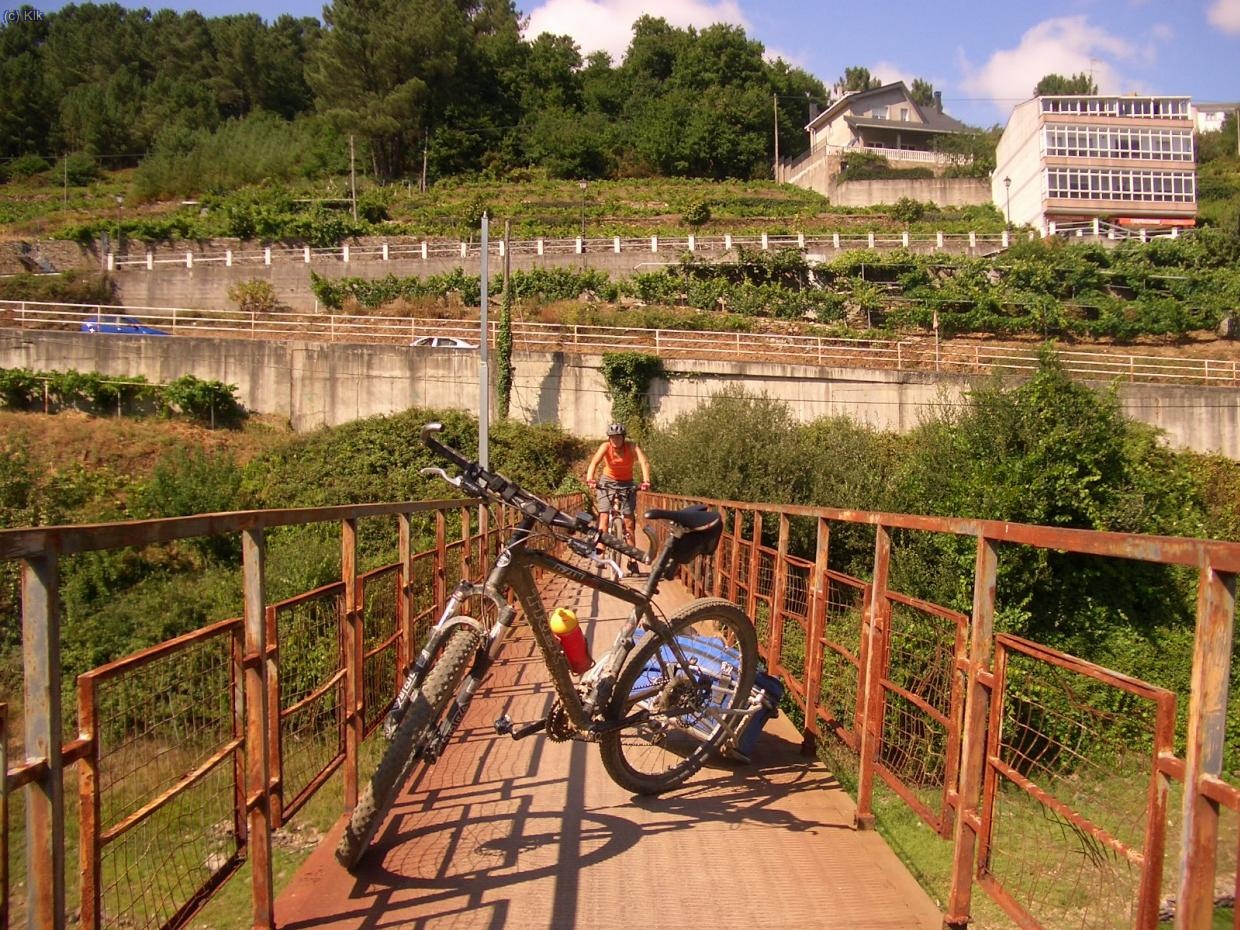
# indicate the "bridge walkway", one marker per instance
pixel 501 835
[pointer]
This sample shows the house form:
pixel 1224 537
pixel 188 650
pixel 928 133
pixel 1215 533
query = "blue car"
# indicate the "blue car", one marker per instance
pixel 120 324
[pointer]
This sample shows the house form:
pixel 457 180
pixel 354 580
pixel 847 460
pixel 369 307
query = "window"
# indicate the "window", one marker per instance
pixel 879 113
pixel 1118 142
pixel 904 114
pixel 1121 184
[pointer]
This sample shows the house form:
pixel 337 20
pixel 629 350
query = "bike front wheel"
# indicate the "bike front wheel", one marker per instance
pixel 684 707
pixel 424 709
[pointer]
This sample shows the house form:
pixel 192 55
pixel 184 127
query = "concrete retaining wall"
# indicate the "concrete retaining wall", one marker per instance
pixel 316 384
pixel 943 192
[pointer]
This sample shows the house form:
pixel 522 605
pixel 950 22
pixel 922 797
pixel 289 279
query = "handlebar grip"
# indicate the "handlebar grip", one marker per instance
pixel 613 542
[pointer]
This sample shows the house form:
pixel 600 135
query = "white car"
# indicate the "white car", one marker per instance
pixel 442 342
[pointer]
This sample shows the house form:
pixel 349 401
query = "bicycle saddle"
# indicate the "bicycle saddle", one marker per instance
pixel 697 517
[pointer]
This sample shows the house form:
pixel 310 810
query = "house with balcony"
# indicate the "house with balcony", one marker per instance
pixel 1128 160
pixel 887 122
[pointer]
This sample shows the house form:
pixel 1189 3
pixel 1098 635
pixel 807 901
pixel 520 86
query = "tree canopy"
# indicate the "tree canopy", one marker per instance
pixel 453 81
pixel 1054 84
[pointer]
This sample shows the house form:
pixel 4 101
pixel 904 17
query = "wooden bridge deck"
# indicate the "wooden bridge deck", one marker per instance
pixel 533 834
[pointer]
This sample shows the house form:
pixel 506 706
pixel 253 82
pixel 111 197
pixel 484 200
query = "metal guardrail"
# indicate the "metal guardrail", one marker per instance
pixel 820 351
pixel 1057 805
pixel 191 752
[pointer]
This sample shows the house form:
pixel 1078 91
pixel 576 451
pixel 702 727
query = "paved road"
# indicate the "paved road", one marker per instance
pixel 533 834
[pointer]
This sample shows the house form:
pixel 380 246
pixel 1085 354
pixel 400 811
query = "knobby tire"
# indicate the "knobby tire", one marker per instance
pixel 615 747
pixel 424 709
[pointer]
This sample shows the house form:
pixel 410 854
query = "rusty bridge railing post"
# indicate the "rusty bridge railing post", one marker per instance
pixel 257 759
pixel 871 686
pixel 4 816
pixel 45 799
pixel 751 583
pixel 819 598
pixel 976 723
pixel 1203 755
pixel 406 645
pixel 778 594
pixel 90 857
pixel 354 655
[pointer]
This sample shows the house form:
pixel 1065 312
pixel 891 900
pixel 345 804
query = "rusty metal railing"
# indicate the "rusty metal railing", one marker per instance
pixel 1061 819
pixel 191 752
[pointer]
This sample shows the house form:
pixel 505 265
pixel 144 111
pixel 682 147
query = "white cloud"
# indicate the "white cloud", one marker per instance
pixel 1065 45
pixel 1225 14
pixel 889 73
pixel 607 25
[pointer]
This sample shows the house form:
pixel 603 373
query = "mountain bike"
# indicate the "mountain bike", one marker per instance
pixel 668 693
pixel 617 493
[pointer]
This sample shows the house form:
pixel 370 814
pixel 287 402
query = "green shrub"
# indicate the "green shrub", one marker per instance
pixel 697 215
pixel 27 166
pixel 207 401
pixel 188 482
pixel 255 296
pixel 78 169
pixel 908 210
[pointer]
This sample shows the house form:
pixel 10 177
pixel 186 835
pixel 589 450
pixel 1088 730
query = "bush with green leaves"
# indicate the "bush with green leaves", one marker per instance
pixel 255 296
pixel 77 169
pixel 207 401
pixel 698 214
pixel 27 166
pixel 628 376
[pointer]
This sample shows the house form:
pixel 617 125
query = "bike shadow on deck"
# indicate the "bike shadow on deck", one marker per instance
pixel 504 834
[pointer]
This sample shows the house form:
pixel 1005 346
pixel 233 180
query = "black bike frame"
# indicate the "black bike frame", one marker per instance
pixel 513 571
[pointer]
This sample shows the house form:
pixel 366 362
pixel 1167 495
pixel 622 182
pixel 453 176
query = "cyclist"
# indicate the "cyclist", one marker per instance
pixel 617 456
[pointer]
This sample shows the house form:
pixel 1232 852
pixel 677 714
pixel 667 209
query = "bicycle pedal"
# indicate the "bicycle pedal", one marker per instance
pixel 529 729
pixel 503 725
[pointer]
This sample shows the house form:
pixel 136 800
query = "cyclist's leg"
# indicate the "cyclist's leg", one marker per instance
pixel 628 510
pixel 602 503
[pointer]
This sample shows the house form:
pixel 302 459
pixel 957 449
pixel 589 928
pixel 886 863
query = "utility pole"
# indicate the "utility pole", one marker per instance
pixel 775 101
pixel 484 381
pixel 425 147
pixel 352 177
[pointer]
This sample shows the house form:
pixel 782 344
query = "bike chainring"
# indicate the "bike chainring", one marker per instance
pixel 559 727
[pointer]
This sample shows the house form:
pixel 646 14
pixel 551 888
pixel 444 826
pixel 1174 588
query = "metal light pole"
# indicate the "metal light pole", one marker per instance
pixel 1007 190
pixel 582 185
pixel 484 381
pixel 120 202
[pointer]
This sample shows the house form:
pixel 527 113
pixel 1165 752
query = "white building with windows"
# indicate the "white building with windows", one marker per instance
pixel 1070 159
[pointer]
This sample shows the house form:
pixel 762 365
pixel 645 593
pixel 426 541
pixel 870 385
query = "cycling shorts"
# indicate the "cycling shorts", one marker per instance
pixel 624 491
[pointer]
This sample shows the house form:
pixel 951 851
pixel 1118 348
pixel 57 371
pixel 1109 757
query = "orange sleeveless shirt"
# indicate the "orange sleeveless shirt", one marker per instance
pixel 618 463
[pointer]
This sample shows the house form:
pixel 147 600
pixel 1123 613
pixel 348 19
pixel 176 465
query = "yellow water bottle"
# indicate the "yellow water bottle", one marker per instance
pixel 564 625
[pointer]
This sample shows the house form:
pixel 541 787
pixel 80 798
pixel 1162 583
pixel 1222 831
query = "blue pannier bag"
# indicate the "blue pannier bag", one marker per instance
pixel 723 664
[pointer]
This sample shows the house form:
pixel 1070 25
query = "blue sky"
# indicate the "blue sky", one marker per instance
pixel 983 56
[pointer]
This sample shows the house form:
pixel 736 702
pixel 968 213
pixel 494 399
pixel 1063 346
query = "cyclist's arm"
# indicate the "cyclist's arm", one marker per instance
pixel 598 457
pixel 641 460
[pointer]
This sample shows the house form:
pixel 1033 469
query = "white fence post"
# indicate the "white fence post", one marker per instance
pixel 800 240
pixel 904 238
pixel 1097 228
pixel 189 259
pixel 1050 228
pixel 501 248
pixel 938 240
pixel 228 258
pixel 1175 232
pixel 423 250
pixel 972 239
pixel 540 247
pixel 464 250
pixel 385 251
pixel 150 261
pixel 654 243
pixel 835 241
pixel 111 262
pixel 869 238
pixel 579 250
pixel 1143 235
pixel 616 244
pixel 692 242
pixel 1005 238
pixel 764 242
pixel 267 255
pixel 344 253
pixel 306 254
pixel 727 242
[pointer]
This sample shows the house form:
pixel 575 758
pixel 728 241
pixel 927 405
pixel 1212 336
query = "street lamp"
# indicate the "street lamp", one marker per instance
pixel 582 185
pixel 1007 191
pixel 120 202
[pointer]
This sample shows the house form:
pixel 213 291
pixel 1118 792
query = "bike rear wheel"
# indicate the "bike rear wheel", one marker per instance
pixel 683 726
pixel 424 710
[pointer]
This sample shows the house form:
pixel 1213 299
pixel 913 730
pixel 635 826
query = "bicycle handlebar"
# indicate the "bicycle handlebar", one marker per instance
pixel 477 481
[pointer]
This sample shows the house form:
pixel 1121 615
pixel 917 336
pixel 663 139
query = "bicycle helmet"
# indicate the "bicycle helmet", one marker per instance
pixel 615 429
